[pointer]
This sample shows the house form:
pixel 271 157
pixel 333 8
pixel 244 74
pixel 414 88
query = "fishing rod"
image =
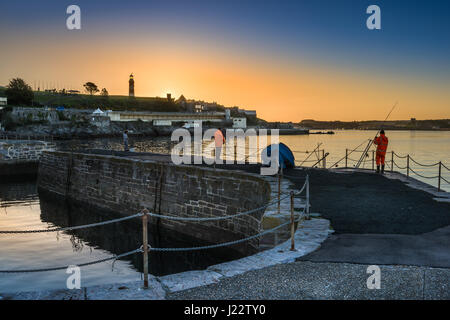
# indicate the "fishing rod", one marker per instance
pixel 321 159
pixel 254 153
pixel 318 146
pixel 371 141
pixel 347 154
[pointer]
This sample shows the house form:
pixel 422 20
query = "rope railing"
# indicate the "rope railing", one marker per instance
pixel 392 163
pixel 420 175
pixel 306 151
pixel 401 168
pixel 424 165
pixel 237 156
pixel 230 243
pixel 115 257
pixel 409 169
pixel 216 218
pixel 399 156
pixel 97 224
pixel 230 216
pixel 306 161
pixel 356 160
pixel 145 248
pixel 416 162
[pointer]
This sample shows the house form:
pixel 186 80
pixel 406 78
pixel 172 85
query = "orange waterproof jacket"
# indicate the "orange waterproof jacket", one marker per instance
pixel 382 143
pixel 219 138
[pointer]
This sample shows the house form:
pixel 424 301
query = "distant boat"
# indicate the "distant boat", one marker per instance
pixel 322 132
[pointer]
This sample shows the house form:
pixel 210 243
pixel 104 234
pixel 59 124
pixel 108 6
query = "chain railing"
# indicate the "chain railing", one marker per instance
pixel 145 248
pixel 254 154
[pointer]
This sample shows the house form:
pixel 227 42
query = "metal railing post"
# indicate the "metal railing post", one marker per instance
pixel 392 161
pixel 346 158
pixel 307 196
pixel 292 222
pixel 439 177
pixel 407 166
pixel 145 246
pixel 324 161
pixel 280 174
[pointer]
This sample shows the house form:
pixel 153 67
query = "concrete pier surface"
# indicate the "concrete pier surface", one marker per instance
pixel 304 280
pixel 397 223
pixel 379 219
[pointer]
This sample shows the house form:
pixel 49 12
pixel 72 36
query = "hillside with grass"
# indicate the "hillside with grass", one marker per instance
pixel 83 101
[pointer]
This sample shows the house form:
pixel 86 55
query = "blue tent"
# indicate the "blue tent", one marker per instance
pixel 286 157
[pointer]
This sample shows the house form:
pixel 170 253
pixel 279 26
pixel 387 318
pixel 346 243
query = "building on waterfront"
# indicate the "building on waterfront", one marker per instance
pixel 236 111
pixel 239 123
pixel 131 86
pixel 199 108
pixel 3 102
pixel 250 113
pixel 163 118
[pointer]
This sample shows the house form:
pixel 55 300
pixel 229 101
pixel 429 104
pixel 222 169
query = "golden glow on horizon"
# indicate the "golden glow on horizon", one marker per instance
pixel 278 91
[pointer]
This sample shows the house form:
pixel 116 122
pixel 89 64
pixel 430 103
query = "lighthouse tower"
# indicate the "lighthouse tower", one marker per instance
pixel 131 86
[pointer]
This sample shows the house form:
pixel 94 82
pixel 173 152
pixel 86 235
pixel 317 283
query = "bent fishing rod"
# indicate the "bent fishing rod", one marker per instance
pixel 371 141
pixel 351 151
pixel 318 146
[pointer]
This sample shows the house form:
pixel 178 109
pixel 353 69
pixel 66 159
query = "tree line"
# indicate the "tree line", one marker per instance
pixel 19 92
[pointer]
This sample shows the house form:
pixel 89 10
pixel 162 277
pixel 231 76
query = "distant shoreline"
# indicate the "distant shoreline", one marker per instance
pixel 409 125
pixel 390 129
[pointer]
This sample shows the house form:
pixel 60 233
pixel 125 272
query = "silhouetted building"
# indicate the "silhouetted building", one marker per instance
pixel 169 97
pixel 131 86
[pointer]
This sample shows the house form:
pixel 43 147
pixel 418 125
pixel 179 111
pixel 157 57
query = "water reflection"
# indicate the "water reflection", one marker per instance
pixel 17 194
pixel 22 209
pixel 125 236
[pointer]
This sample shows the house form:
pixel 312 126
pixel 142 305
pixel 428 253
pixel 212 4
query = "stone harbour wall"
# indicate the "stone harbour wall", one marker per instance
pixel 23 150
pixel 126 186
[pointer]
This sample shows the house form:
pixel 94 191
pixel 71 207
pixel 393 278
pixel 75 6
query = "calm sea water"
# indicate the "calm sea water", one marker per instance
pixel 425 147
pixel 21 208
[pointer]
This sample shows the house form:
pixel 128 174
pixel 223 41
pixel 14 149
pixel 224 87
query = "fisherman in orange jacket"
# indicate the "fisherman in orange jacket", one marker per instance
pixel 219 141
pixel 381 142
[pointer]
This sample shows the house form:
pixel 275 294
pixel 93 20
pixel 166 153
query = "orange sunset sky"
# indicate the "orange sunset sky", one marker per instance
pixel 282 79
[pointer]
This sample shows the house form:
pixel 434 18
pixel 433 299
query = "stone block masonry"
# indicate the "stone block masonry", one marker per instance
pixel 19 158
pixel 126 186
pixel 23 150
